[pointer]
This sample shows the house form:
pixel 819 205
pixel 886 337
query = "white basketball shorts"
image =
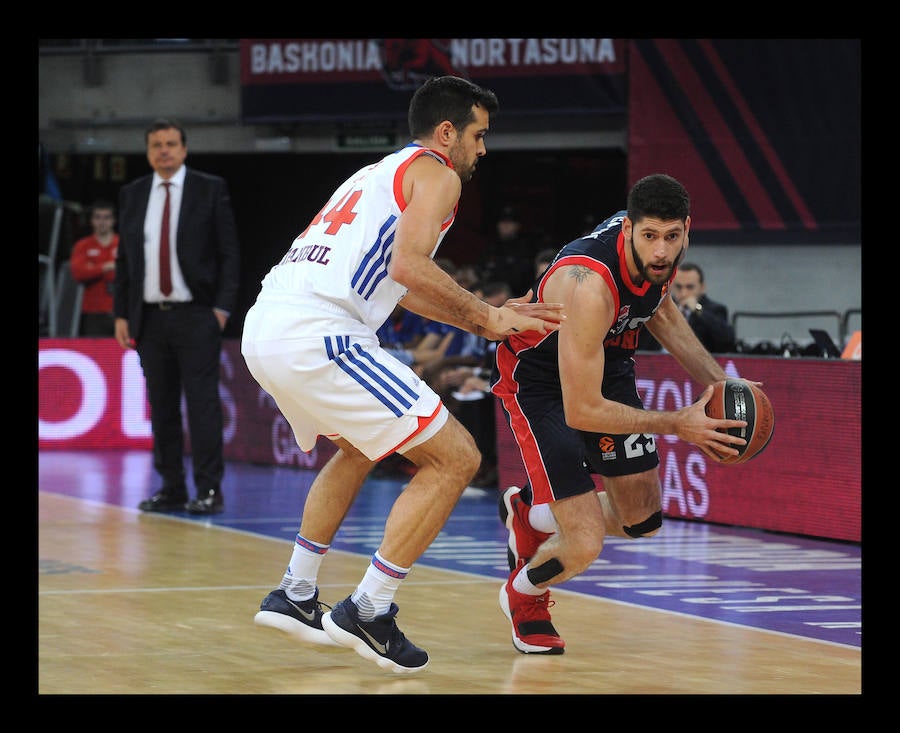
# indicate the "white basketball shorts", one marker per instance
pixel 330 377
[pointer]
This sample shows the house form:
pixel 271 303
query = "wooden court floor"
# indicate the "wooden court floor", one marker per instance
pixel 148 604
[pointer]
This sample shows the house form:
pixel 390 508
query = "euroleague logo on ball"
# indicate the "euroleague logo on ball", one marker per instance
pixel 738 399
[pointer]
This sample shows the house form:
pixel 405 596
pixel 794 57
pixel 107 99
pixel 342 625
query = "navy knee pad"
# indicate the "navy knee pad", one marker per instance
pixel 651 523
pixel 543 573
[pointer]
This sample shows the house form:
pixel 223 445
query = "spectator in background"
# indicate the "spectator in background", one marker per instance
pixel 93 263
pixel 542 261
pixel 176 326
pixel 467 276
pixel 403 335
pixel 510 255
pixel 707 318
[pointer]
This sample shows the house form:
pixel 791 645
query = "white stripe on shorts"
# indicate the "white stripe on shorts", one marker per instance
pixel 379 381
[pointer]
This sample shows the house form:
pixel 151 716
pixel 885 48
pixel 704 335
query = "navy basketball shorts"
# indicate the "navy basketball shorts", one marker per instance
pixel 559 460
pixel 623 454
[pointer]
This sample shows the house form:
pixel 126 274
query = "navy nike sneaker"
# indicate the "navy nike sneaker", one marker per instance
pixel 300 619
pixel 378 640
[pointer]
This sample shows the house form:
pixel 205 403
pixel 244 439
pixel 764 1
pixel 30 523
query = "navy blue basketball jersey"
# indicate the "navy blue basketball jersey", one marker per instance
pixel 603 251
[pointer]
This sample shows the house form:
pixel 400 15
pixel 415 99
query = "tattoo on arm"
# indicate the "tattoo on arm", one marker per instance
pixel 579 272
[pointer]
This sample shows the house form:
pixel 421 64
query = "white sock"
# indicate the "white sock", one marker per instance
pixel 541 518
pixel 299 581
pixel 521 583
pixel 374 595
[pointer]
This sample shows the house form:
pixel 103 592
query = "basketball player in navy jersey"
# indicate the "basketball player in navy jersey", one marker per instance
pixel 310 341
pixel 572 403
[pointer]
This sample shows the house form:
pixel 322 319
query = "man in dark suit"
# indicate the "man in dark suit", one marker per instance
pixel 173 309
pixel 708 318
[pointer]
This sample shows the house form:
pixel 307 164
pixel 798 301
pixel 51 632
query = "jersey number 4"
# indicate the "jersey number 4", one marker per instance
pixel 339 214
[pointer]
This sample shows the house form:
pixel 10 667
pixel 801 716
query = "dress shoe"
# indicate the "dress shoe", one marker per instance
pixel 164 501
pixel 209 503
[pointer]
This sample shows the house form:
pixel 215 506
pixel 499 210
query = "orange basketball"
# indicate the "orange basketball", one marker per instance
pixel 738 399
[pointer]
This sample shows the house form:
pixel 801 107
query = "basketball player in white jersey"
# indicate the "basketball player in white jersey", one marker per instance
pixel 310 342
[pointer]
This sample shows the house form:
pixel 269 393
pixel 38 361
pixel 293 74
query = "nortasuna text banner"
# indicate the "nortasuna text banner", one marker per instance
pixel 373 79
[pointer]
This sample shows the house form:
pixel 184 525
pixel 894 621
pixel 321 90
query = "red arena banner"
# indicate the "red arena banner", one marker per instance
pixel 91 395
pixel 807 481
pixel 328 79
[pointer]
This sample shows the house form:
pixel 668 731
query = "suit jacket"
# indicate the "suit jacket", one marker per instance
pixel 206 245
pixel 712 326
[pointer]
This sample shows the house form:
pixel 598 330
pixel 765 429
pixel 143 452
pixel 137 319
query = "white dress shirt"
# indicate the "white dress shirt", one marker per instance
pixel 152 226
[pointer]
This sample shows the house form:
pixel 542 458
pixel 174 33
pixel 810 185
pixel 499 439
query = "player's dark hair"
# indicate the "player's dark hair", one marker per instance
pixel 447 98
pixel 165 124
pixel 658 196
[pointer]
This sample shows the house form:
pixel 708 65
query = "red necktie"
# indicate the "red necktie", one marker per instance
pixel 165 269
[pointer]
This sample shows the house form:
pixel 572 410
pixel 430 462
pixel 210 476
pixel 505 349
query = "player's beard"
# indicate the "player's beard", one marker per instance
pixel 463 168
pixel 644 271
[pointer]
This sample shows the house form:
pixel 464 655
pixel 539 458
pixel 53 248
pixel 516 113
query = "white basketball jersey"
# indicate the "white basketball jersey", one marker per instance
pixel 342 257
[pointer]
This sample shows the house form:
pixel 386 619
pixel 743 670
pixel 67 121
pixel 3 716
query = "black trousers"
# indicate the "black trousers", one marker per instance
pixel 179 350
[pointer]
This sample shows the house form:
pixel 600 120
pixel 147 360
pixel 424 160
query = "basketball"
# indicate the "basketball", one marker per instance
pixel 738 399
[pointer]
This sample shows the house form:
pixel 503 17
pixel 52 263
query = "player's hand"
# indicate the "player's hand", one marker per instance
pixel 521 300
pixel 695 426
pixel 517 316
